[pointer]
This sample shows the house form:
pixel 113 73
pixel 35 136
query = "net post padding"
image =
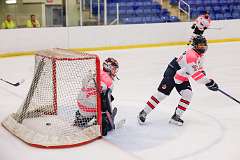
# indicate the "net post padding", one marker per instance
pixel 48 114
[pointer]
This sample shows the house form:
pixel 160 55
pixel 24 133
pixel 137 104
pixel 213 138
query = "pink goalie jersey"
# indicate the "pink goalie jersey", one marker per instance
pixel 86 100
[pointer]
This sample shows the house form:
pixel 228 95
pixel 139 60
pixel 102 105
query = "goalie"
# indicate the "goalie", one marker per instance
pixel 86 115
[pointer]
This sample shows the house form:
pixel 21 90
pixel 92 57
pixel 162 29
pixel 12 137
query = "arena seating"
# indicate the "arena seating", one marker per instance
pixel 218 9
pixel 135 11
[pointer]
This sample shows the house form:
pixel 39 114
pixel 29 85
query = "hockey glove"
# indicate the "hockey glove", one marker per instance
pixel 212 85
pixel 112 98
pixel 193 26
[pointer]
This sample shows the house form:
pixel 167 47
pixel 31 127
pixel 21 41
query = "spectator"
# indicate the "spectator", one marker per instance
pixel 8 23
pixel 33 22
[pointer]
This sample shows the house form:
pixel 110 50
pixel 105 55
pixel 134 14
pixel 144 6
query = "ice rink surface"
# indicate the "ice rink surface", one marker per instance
pixel 212 122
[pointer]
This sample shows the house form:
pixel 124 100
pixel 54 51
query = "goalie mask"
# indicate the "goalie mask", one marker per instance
pixel 199 44
pixel 111 66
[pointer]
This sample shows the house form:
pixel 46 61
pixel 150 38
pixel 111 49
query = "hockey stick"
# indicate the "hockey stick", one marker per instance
pixel 229 96
pixel 13 84
pixel 216 28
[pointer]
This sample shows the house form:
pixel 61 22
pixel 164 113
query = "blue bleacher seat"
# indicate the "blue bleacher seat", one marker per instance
pixel 139 12
pixel 147 3
pixel 217 9
pixel 173 19
pixel 200 9
pixel 156 19
pixel 164 12
pixel 148 19
pixel 227 15
pixel 147 11
pixel 236 15
pixel 165 18
pixel 194 14
pixel 208 8
pixel 206 2
pixel 192 2
pixel 136 20
pixel 135 11
pixel 223 2
pixel 214 2
pixel 131 20
pixel 198 2
pixel 130 11
pixel 225 8
pixel 173 2
pixel 213 17
pixel 156 6
pixel 219 16
pixel 122 11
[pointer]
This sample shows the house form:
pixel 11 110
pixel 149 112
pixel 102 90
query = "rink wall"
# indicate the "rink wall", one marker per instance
pixel 91 38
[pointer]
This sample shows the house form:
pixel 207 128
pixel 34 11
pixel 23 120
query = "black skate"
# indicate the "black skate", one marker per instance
pixel 175 119
pixel 142 117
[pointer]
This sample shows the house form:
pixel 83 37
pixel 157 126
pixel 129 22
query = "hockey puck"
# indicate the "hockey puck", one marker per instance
pixel 48 124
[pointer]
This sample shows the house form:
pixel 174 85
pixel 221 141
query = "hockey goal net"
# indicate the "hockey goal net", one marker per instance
pixel 61 109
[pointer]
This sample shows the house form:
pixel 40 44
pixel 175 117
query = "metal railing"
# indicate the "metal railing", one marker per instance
pixel 182 2
pixel 116 21
pixel 105 11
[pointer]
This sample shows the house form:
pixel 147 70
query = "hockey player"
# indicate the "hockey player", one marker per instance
pixel 177 74
pixel 107 76
pixel 200 25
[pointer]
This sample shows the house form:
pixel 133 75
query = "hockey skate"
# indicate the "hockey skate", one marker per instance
pixel 175 119
pixel 142 117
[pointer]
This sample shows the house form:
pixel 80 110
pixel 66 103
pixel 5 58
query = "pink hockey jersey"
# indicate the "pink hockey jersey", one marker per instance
pixel 106 81
pixel 201 22
pixel 191 64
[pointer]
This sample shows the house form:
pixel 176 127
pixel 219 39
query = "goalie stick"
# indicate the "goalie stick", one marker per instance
pixel 13 84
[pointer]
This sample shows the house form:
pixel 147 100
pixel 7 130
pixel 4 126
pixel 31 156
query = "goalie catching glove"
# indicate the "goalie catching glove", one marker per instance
pixel 212 85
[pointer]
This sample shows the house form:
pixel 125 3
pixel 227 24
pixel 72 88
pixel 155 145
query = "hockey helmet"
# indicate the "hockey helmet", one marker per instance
pixel 199 44
pixel 111 66
pixel 206 14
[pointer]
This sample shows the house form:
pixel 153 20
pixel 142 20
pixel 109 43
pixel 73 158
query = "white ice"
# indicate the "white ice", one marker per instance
pixel 212 122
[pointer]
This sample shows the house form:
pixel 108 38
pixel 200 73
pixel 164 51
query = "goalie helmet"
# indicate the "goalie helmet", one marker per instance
pixel 199 44
pixel 111 66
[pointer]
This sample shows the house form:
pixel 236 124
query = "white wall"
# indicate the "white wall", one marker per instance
pixel 25 39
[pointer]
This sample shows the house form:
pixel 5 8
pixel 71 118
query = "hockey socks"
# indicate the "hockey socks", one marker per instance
pixel 154 100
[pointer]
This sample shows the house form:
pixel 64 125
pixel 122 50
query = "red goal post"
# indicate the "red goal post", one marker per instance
pixel 50 116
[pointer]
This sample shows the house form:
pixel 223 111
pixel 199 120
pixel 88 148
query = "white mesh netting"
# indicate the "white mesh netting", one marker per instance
pixel 62 106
